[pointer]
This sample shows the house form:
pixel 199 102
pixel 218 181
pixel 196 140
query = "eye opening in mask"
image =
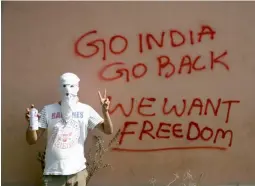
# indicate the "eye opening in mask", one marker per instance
pixel 64 85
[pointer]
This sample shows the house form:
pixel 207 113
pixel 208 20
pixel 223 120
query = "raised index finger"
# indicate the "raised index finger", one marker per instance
pixel 100 96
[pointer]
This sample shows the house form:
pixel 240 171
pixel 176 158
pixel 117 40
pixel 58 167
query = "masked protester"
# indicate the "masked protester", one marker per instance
pixel 67 123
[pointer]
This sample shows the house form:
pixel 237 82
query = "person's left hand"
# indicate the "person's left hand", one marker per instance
pixel 105 102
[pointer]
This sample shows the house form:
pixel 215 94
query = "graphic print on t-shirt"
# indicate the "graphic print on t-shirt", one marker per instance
pixel 65 135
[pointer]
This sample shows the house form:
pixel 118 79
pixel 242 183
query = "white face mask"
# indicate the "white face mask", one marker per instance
pixel 69 93
pixel 69 90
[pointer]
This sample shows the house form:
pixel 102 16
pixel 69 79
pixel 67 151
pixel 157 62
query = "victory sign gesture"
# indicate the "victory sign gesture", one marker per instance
pixel 105 102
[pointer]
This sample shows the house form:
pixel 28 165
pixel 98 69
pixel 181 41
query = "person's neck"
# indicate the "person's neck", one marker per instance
pixel 59 102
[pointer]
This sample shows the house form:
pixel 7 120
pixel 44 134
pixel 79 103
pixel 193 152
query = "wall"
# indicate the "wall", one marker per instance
pixel 193 57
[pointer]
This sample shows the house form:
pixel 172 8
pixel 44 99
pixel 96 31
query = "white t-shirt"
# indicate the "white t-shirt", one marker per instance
pixel 65 141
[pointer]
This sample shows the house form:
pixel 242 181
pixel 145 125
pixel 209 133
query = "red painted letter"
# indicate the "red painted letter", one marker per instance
pixel 206 30
pixel 223 134
pixel 146 131
pixel 174 108
pixel 126 114
pixel 195 125
pixel 161 125
pixel 196 103
pixel 215 109
pixel 175 131
pixel 229 107
pixel 163 62
pixel 217 60
pixel 119 72
pixel 150 37
pixel 122 38
pixel 141 105
pixel 173 42
pixel 124 132
pixel 91 44
pixel 144 70
pixel 210 133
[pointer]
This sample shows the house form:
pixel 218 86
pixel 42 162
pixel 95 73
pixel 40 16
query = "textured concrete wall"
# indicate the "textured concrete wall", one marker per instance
pixel 41 40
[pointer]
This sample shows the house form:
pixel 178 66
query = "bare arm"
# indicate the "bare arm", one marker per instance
pixel 32 136
pixel 106 126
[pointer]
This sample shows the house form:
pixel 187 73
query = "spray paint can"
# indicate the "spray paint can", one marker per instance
pixel 34 123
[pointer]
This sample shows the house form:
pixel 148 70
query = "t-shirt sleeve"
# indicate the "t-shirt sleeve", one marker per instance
pixel 94 119
pixel 43 119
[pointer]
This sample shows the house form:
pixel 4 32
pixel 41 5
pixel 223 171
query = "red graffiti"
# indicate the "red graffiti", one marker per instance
pixel 189 64
pixel 144 107
pixel 165 130
pixel 90 44
pixel 87 47
pixel 136 72
pixel 175 130
pixel 165 67
pixel 148 105
pixel 169 148
pixel 174 38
